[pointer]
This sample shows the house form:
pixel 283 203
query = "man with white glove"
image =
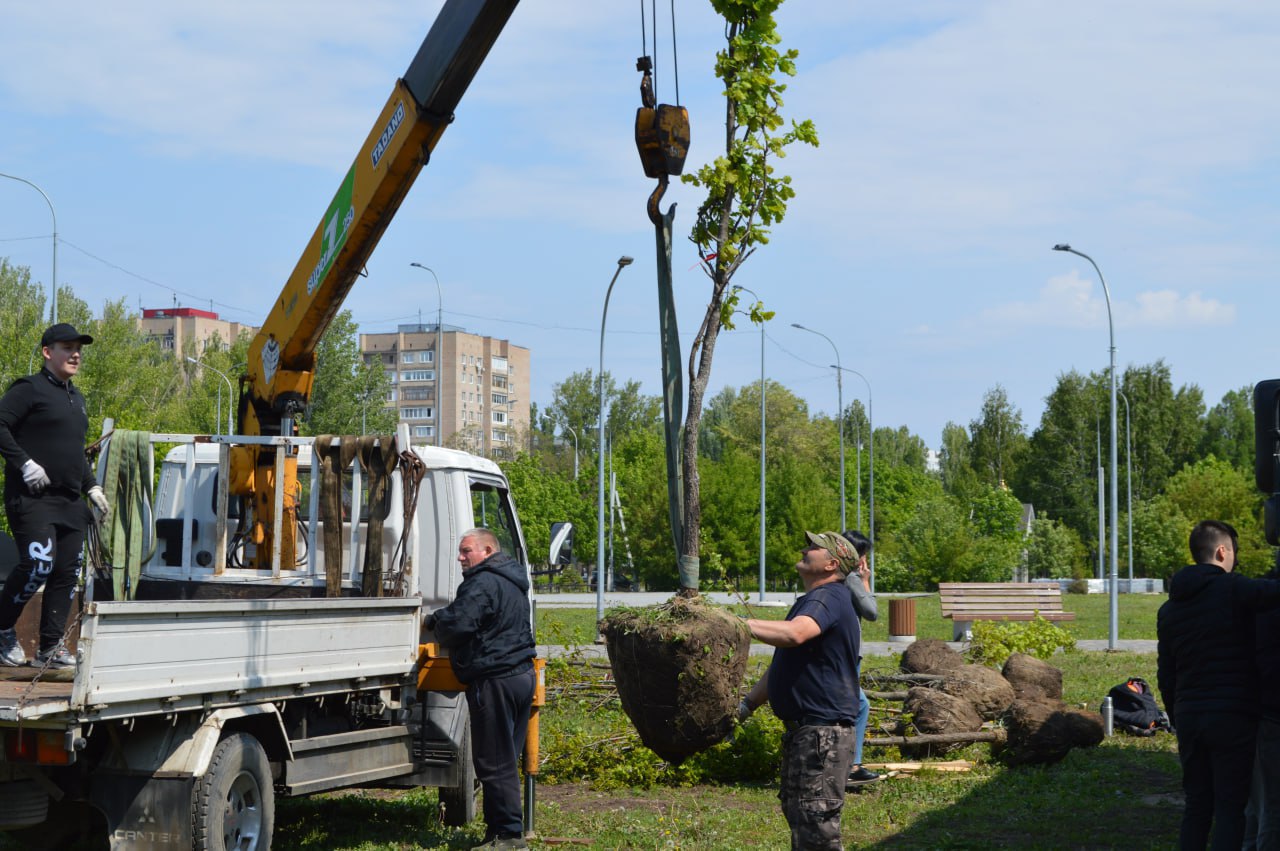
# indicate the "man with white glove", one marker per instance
pixel 43 422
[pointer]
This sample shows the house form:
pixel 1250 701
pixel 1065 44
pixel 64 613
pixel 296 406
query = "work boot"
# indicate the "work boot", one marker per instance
pixel 11 652
pixel 54 659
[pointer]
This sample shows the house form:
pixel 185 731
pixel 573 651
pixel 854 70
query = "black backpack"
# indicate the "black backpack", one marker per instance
pixel 1134 709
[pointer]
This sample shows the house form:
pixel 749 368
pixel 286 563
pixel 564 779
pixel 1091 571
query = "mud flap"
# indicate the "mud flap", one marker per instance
pixel 144 812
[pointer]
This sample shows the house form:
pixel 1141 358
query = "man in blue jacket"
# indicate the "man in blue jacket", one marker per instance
pixel 487 631
pixel 1206 674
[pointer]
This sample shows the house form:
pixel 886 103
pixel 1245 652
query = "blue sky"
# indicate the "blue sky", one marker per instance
pixel 190 151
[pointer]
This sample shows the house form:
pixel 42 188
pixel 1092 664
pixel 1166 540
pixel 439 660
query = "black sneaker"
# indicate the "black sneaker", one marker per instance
pixel 861 777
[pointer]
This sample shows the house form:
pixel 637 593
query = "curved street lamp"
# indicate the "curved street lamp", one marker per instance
pixel 230 394
pixel 53 289
pixel 438 355
pixel 871 426
pixel 1114 632
pixel 762 449
pixel 839 414
pixel 622 261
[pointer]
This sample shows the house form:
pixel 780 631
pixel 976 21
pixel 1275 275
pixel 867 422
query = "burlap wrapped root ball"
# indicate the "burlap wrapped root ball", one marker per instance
pixel 989 693
pixel 1032 678
pixel 934 712
pixel 1045 732
pixel 679 669
pixel 930 656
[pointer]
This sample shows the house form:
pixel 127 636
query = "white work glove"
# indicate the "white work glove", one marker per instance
pixel 98 500
pixel 35 476
pixel 744 710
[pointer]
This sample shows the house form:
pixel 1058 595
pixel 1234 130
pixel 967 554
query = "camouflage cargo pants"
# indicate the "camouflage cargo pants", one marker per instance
pixel 815 764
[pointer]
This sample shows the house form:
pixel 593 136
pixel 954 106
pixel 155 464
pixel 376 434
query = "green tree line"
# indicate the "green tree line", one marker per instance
pixel 964 518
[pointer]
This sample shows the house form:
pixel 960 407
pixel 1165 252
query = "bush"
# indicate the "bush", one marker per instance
pixel 993 643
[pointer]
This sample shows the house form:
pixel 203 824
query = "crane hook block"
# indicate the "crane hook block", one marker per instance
pixel 662 138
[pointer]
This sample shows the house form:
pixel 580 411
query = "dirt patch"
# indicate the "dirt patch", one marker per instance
pixel 582 798
pixel 678 667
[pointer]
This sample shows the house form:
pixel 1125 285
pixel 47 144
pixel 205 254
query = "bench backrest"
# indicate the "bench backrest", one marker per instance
pixel 993 597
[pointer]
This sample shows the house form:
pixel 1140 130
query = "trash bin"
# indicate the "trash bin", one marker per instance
pixel 902 620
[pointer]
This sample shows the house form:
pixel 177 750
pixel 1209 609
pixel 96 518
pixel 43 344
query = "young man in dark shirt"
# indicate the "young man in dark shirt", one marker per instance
pixel 812 686
pixel 43 422
pixel 1206 673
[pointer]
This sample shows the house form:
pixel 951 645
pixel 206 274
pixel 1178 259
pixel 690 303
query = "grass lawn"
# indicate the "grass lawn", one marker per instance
pixel 1136 619
pixel 1126 787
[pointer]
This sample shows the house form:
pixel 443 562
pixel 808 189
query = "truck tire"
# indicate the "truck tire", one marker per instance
pixel 458 803
pixel 233 805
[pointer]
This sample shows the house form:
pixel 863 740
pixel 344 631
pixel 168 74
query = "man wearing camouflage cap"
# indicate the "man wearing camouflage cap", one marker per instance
pixel 812 686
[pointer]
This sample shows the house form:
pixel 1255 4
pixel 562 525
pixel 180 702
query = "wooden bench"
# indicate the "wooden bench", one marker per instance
pixel 966 602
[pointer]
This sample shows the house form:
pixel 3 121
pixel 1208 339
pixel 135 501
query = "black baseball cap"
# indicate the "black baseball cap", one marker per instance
pixel 63 333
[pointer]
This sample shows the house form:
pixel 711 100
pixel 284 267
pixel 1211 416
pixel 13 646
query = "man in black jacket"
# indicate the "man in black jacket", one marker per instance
pixel 43 421
pixel 490 641
pixel 1206 673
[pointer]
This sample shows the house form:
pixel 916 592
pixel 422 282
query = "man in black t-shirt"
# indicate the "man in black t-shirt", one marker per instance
pixel 812 686
pixel 43 421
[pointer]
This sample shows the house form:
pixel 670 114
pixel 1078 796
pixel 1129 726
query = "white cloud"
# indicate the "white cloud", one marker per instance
pixel 1069 301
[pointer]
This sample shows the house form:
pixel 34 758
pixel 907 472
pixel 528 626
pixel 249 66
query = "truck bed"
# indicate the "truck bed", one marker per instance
pixel 141 657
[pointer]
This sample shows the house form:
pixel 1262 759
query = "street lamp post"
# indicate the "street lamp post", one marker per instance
pixel 230 395
pixel 839 414
pixel 439 355
pixel 871 425
pixel 53 288
pixel 1128 483
pixel 762 452
pixel 1114 634
pixel 569 428
pixel 622 261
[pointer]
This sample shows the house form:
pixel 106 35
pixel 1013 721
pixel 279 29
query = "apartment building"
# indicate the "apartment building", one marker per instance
pixel 172 328
pixel 476 391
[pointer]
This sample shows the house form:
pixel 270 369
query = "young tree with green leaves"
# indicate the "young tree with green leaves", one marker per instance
pixel 745 199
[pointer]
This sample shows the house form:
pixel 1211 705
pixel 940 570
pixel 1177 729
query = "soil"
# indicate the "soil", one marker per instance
pixel 989 693
pixel 930 656
pixel 1041 733
pixel 679 668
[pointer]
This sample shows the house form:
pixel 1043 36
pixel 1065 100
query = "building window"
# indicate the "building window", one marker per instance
pixel 499 435
pixel 499 398
pixel 427 356
pixel 406 357
pixel 391 376
pixel 424 431
pixel 500 417
pixel 417 413
pixel 391 395
pixel 418 375
pixel 498 364
pixel 498 382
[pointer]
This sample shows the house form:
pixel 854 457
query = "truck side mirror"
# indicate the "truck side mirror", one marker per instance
pixel 1266 453
pixel 561 543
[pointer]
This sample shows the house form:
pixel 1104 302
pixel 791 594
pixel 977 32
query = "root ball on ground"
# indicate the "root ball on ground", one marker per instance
pixel 1044 732
pixel 678 667
pixel 1032 678
pixel 930 656
pixel 989 693
pixel 934 712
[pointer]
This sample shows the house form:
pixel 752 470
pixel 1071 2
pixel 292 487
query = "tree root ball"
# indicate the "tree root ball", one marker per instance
pixel 1044 732
pixel 989 693
pixel 930 656
pixel 678 667
pixel 936 712
pixel 1033 679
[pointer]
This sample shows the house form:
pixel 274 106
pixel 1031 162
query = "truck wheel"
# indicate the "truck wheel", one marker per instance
pixel 233 805
pixel 458 803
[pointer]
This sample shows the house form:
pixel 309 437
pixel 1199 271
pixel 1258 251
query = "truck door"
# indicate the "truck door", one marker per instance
pixel 492 509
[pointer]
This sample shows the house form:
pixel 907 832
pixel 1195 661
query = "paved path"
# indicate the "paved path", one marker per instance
pixel 772 599
pixel 869 648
